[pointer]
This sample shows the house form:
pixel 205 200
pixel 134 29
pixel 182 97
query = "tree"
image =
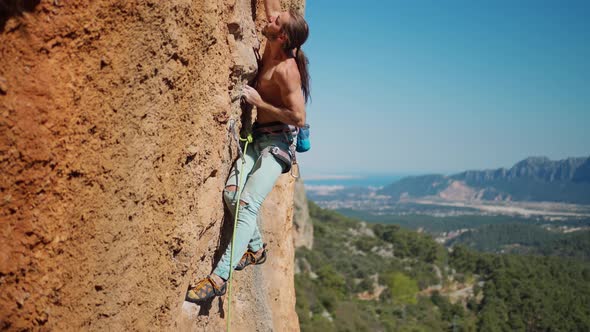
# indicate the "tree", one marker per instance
pixel 403 288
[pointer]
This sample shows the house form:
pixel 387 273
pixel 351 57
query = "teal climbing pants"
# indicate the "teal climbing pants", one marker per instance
pixel 261 171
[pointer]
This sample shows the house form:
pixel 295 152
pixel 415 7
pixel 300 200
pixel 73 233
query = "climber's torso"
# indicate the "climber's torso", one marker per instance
pixel 268 85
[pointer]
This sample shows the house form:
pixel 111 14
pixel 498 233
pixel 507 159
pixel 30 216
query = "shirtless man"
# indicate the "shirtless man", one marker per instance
pixel 280 96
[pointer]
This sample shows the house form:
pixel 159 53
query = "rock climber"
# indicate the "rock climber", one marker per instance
pixel 280 95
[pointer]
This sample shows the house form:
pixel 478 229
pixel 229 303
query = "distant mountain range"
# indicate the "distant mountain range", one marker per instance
pixel 532 179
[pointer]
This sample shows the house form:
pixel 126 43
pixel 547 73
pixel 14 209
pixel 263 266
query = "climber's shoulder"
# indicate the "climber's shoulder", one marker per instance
pixel 286 72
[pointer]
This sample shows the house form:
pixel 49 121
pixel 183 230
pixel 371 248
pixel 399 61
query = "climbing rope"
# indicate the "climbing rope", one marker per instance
pixel 247 141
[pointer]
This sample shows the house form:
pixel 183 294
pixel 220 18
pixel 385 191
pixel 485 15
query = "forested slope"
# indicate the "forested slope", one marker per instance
pixel 372 277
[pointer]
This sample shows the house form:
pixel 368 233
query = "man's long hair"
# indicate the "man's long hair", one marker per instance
pixel 297 32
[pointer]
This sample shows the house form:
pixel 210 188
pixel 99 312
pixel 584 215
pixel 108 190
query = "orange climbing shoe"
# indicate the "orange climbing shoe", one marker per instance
pixel 205 290
pixel 249 258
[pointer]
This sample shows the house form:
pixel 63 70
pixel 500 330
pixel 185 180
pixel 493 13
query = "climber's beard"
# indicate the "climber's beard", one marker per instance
pixel 271 35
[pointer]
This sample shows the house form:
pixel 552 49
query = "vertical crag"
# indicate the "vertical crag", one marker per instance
pixel 114 149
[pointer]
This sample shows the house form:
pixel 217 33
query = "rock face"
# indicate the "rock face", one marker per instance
pixel 303 227
pixel 114 150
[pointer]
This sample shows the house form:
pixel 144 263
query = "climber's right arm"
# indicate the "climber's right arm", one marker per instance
pixel 273 8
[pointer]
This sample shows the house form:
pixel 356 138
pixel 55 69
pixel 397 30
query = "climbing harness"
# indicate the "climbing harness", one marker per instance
pixel 299 138
pixel 277 129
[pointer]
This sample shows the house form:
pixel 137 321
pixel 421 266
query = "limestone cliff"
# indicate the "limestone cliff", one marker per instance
pixel 114 149
pixel 302 225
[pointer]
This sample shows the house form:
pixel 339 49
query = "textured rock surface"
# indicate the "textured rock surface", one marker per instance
pixel 114 149
pixel 302 225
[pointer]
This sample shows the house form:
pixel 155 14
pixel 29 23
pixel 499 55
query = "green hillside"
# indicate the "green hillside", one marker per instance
pixel 499 237
pixel 526 239
pixel 529 293
pixel 375 277
pixel 349 258
pixel 435 225
pixel 576 245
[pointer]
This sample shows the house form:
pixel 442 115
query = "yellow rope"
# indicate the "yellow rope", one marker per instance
pixel 248 140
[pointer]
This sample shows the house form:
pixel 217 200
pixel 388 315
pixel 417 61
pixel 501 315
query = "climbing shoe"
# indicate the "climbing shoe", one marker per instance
pixel 249 258
pixel 205 290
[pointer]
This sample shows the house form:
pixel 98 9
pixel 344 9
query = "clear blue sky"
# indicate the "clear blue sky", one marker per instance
pixel 444 86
